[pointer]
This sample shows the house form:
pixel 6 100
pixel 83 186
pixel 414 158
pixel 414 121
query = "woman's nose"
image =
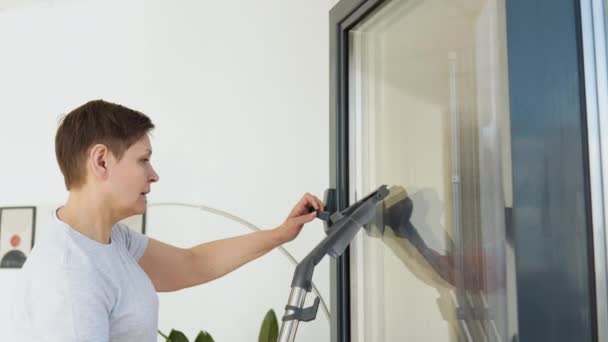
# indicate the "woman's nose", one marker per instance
pixel 154 177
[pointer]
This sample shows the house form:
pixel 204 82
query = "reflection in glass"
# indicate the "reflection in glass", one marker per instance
pixel 461 269
pixel 429 115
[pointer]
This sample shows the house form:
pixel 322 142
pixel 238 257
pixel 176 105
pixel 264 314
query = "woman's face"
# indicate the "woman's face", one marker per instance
pixel 130 179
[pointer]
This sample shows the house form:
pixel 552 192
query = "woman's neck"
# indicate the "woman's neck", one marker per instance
pixel 88 215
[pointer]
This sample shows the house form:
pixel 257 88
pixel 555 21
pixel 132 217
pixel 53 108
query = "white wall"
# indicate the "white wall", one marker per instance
pixel 238 91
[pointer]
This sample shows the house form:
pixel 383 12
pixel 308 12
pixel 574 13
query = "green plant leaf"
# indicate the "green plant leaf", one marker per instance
pixel 270 328
pixel 163 335
pixel 203 336
pixel 177 336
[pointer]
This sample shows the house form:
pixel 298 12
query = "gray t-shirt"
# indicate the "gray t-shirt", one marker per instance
pixel 73 288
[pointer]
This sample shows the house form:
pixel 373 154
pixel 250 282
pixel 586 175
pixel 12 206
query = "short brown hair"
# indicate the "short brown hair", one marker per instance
pixel 95 122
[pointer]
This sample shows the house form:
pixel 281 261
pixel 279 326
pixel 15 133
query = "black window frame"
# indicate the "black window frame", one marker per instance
pixel 343 16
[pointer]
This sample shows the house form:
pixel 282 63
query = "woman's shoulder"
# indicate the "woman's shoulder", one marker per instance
pixel 135 242
pixel 62 264
pixel 49 247
pixel 59 251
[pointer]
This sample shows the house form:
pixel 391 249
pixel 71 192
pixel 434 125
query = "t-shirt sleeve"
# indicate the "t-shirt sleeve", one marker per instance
pixel 135 242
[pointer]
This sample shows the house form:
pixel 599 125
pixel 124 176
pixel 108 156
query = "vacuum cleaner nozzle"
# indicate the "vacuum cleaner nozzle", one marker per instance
pixel 397 212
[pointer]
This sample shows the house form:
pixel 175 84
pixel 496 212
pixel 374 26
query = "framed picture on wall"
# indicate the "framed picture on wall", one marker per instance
pixel 17 232
pixel 136 222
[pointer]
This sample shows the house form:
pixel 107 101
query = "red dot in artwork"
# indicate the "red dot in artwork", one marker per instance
pixel 15 240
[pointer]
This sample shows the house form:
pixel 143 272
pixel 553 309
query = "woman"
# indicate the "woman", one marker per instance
pixel 90 278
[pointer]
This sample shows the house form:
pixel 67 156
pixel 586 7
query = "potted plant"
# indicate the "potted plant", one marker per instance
pixel 269 332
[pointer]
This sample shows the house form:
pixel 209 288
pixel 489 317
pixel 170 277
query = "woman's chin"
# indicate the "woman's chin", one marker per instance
pixel 140 207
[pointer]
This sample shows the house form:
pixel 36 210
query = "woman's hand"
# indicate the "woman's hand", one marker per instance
pixel 303 212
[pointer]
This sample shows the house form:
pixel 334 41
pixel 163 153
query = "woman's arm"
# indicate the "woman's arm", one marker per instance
pixel 171 268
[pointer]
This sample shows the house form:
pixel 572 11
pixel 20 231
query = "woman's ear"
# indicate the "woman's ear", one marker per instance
pixel 98 161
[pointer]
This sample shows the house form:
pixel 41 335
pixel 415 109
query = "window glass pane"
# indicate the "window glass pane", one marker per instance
pixel 429 115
